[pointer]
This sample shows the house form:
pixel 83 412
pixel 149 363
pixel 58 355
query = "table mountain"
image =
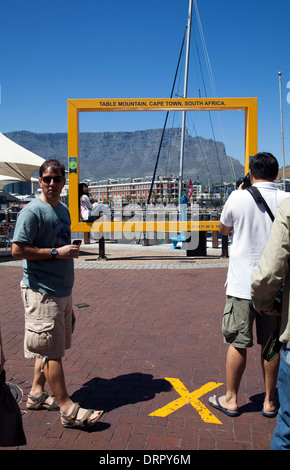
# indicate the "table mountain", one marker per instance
pixel 133 154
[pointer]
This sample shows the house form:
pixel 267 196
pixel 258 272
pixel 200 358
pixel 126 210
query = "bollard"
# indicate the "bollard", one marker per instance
pixel 201 249
pixel 225 252
pixel 86 238
pixel 214 216
pixel 102 254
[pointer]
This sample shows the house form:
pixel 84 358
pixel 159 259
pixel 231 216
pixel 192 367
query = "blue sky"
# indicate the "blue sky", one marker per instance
pixel 52 51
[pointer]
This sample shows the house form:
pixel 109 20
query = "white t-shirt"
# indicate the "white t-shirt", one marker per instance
pixel 251 229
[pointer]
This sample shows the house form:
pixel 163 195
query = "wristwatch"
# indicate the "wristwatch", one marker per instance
pixel 53 252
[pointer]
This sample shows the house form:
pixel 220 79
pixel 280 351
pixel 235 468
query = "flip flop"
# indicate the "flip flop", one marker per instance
pixel 221 408
pixel 269 414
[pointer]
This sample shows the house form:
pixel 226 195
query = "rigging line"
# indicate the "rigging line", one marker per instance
pixel 171 156
pixel 212 81
pixel 167 114
pixel 171 148
pixel 205 50
pixel 200 146
pixel 202 153
pixel 210 118
pixel 197 170
pixel 215 143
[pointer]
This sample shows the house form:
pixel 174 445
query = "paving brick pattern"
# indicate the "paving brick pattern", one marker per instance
pixel 142 324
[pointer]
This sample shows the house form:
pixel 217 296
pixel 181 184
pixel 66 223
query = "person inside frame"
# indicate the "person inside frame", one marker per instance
pixel 90 211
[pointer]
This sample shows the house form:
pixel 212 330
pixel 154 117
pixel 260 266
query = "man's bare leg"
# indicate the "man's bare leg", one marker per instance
pixel 54 374
pixel 38 384
pixel 235 367
pixel 270 372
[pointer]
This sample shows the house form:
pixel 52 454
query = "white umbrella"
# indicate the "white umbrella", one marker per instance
pixel 16 161
pixel 7 180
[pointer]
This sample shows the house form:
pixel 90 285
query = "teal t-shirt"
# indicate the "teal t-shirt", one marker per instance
pixel 42 225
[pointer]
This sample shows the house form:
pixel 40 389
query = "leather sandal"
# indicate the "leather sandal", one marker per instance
pixel 39 403
pixel 71 420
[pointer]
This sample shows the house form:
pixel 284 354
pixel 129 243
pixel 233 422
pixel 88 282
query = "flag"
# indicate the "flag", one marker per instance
pixel 190 189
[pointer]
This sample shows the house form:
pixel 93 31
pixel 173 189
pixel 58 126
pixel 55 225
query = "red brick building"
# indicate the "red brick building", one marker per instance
pixel 136 188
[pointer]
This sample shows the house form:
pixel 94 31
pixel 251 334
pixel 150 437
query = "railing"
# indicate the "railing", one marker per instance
pixel 6 233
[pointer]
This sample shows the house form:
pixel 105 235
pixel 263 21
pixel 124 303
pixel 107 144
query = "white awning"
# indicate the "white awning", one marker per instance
pixel 16 161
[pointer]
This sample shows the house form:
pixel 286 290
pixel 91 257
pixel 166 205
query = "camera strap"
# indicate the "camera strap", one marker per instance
pixel 273 345
pixel 260 200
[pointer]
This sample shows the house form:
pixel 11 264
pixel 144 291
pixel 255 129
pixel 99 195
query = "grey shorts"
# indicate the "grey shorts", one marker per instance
pixel 237 324
pixel 48 324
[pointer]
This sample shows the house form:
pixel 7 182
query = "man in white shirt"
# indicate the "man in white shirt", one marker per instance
pixel 251 226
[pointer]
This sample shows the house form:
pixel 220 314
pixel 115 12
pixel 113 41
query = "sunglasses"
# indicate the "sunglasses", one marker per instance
pixel 56 179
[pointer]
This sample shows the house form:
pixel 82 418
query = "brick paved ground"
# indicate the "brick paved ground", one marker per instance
pixel 149 316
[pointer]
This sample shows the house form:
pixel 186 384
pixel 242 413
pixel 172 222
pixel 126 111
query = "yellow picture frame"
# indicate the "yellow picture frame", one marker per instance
pixel 76 106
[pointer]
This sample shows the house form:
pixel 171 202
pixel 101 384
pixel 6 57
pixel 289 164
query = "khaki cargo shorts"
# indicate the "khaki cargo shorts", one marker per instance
pixel 48 324
pixel 237 324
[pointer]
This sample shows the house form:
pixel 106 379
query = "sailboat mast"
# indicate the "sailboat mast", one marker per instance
pixel 184 96
pixel 282 131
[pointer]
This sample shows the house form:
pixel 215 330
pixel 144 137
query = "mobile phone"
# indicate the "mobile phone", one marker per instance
pixel 77 242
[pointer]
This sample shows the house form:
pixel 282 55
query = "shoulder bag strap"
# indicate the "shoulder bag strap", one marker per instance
pixel 259 199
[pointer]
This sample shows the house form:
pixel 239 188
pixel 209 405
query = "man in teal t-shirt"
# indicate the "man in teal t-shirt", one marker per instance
pixel 43 225
pixel 42 239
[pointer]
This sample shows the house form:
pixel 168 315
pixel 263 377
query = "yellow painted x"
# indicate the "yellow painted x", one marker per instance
pixel 192 398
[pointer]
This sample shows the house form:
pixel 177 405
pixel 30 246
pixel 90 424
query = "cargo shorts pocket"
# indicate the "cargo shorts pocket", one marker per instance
pixel 38 336
pixel 229 325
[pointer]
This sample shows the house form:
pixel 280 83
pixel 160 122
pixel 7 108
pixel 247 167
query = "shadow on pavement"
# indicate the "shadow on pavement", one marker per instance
pixel 109 394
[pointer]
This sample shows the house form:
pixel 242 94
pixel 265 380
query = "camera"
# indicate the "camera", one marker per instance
pixel 246 180
pixel 278 300
pixel 273 345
